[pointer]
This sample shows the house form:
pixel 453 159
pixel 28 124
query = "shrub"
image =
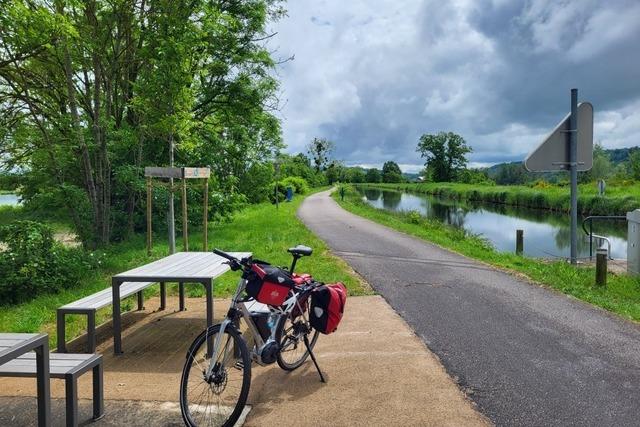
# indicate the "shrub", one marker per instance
pixel 33 263
pixel 299 185
pixel 414 217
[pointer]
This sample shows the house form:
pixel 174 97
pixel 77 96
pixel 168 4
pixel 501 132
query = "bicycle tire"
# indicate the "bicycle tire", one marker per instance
pixel 198 345
pixel 297 362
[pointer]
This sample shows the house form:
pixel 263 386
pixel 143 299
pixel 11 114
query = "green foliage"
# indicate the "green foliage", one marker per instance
pixel 299 186
pixel 373 176
pixel 299 165
pixel 256 183
pixel 320 150
pixel 391 172
pixel 602 166
pixel 511 174
pixel 33 263
pixel 335 172
pixel 355 175
pixel 474 176
pixel 634 164
pixel 445 154
pixel 125 82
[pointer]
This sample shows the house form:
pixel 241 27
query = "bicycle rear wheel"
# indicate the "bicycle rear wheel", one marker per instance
pixel 290 335
pixel 218 400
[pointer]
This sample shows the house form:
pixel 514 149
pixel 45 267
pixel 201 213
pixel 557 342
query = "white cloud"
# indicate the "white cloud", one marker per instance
pixel 374 75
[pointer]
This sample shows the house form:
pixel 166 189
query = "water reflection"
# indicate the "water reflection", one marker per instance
pixel 547 234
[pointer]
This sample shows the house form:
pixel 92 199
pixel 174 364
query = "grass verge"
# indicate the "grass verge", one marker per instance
pixel 261 229
pixel 619 199
pixel 621 295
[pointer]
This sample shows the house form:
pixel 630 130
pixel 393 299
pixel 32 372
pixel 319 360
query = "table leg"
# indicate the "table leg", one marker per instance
pixel 98 393
pixel 71 397
pixel 43 380
pixel 181 292
pixel 163 295
pixel 209 289
pixel 117 321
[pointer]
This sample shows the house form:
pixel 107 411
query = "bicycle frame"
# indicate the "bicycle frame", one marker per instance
pixel 239 306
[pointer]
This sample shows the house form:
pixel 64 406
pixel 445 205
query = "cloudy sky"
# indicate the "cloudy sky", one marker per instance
pixel 374 75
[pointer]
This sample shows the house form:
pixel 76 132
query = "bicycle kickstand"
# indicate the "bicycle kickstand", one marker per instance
pixel 306 343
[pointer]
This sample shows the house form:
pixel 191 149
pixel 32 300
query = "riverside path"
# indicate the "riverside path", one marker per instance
pixel 527 355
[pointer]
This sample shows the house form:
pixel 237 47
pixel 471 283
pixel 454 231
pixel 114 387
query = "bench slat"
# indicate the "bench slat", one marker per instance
pixel 58 366
pixel 104 297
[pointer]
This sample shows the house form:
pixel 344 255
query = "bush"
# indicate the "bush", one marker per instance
pixel 299 186
pixel 33 263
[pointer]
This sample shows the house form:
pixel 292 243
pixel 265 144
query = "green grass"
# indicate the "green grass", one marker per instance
pixel 620 198
pixel 261 229
pixel 621 295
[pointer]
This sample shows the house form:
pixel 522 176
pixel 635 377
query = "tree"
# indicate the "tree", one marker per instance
pixel 93 91
pixel 373 175
pixel 391 172
pixel 320 150
pixel 634 164
pixel 602 167
pixel 511 174
pixel 445 154
pixel 355 175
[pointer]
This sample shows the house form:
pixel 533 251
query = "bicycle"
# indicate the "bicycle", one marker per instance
pixel 219 359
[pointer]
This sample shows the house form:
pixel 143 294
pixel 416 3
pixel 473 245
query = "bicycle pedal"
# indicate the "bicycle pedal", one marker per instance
pixel 239 365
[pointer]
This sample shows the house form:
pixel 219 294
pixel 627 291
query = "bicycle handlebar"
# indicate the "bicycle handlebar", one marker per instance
pixel 225 255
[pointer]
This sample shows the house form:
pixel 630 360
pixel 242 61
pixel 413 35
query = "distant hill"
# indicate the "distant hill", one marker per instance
pixel 617 156
pixel 410 176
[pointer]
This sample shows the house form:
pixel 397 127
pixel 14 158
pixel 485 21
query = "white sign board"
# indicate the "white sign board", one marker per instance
pixel 553 153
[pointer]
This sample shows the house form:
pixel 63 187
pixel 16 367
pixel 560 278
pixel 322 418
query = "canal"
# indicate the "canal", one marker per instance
pixel 546 233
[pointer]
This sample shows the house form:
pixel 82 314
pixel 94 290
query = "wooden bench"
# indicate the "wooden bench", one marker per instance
pixel 68 367
pixel 89 305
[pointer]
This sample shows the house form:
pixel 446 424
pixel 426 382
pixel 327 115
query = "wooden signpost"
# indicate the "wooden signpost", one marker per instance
pixel 183 174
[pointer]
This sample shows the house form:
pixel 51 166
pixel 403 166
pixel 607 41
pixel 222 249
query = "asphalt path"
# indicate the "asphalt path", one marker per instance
pixel 528 356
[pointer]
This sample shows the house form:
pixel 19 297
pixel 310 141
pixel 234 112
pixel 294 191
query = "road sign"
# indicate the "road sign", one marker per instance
pixel 553 153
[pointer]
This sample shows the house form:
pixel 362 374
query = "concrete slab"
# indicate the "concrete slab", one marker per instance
pixel 379 373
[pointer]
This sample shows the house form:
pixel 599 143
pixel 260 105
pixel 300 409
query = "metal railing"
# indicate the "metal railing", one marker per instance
pixel 590 234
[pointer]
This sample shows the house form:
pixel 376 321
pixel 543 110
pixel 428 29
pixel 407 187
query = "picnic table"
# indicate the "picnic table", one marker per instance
pixel 14 345
pixel 181 268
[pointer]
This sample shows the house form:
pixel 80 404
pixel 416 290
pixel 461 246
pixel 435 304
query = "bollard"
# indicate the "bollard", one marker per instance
pixel 601 266
pixel 519 242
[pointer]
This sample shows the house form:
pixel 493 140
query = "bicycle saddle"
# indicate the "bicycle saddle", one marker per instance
pixel 300 250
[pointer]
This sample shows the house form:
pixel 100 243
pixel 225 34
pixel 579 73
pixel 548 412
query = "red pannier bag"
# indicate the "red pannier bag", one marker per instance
pixel 268 284
pixel 327 307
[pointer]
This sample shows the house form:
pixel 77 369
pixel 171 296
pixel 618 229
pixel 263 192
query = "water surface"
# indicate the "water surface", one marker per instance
pixel 546 233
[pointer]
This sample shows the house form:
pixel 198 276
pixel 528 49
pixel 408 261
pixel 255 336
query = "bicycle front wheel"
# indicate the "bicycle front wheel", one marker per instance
pixel 216 399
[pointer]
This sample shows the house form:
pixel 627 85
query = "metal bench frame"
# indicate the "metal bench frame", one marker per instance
pixel 25 366
pixel 89 310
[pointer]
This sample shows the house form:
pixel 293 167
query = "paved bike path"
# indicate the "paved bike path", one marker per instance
pixel 526 355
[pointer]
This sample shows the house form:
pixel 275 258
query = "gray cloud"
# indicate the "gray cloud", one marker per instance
pixel 374 76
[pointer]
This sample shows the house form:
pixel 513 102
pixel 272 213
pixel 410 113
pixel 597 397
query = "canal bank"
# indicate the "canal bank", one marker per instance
pixel 618 199
pixel 546 233
pixel 621 295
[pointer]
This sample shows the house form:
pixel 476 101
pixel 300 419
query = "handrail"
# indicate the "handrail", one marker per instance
pixel 590 231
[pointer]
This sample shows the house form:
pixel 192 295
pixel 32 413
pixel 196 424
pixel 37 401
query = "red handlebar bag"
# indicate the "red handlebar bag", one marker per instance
pixel 327 307
pixel 268 284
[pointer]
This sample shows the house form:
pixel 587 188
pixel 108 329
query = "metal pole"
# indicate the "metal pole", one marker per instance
pixel 171 214
pixel 185 222
pixel 573 165
pixel 601 267
pixel 519 242
pixel 149 230
pixel 205 218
